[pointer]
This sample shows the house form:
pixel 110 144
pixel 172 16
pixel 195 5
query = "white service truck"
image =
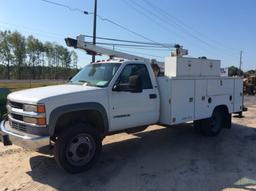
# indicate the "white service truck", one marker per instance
pixel 119 95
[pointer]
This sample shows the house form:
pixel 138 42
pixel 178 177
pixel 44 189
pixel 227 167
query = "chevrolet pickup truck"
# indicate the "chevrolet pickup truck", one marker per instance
pixel 118 95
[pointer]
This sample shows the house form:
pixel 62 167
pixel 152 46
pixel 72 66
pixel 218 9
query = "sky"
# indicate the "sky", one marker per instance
pixel 217 29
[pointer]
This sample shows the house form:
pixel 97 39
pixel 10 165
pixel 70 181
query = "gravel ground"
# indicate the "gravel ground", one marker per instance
pixel 156 159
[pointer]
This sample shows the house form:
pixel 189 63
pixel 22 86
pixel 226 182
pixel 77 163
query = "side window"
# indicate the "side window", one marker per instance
pixel 135 69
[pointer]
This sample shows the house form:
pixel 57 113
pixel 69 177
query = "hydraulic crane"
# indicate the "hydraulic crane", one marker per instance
pixel 92 49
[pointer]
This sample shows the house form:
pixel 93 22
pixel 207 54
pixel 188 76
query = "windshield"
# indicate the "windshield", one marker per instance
pixel 99 74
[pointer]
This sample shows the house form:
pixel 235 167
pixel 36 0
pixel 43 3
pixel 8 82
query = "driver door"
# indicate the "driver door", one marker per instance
pixel 133 109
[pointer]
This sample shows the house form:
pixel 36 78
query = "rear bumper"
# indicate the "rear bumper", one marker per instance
pixel 10 136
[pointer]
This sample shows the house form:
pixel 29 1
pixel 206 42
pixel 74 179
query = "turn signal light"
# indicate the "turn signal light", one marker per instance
pixel 40 108
pixel 41 121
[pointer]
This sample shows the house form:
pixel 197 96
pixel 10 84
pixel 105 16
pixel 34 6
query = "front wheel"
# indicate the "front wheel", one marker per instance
pixel 77 148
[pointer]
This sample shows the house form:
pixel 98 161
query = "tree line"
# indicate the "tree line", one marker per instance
pixel 234 71
pixel 28 58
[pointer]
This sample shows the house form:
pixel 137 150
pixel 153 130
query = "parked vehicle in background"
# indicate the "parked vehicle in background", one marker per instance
pixel 250 85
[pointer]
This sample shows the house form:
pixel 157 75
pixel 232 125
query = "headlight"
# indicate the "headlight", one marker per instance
pixel 37 121
pixel 34 108
pixel 30 108
pixel 30 120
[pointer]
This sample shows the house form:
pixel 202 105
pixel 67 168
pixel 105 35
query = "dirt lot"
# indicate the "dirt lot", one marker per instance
pixel 157 159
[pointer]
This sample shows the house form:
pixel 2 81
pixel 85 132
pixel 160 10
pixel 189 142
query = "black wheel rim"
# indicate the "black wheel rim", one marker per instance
pixel 80 150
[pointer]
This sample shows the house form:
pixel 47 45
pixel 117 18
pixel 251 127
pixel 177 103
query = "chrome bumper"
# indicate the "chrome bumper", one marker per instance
pixel 10 136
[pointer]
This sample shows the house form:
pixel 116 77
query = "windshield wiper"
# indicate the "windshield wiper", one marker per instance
pixel 84 81
pixel 80 81
pixel 87 82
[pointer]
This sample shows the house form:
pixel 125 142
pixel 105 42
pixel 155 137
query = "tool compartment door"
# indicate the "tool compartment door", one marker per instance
pixel 238 94
pixel 220 87
pixel 188 67
pixel 182 101
pixel 201 104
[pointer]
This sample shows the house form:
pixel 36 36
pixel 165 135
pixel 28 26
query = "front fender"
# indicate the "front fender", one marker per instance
pixel 57 112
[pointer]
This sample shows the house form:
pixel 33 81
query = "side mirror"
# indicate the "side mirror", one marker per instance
pixel 135 84
pixel 116 88
pixel 69 78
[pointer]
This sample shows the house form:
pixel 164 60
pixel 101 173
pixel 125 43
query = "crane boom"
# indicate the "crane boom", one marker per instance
pixel 92 49
pixel 105 51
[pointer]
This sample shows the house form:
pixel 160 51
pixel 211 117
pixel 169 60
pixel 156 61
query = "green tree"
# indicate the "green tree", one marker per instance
pixel 65 60
pixel 6 50
pixel 35 50
pixel 234 71
pixel 20 55
pixel 74 59
pixel 19 49
pixel 49 51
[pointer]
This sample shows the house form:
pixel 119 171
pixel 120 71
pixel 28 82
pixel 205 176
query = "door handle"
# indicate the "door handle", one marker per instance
pixel 152 96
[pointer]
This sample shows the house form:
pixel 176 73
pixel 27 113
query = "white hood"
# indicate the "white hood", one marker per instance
pixel 35 95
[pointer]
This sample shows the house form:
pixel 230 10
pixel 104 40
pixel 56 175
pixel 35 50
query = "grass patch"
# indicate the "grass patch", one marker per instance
pixel 15 85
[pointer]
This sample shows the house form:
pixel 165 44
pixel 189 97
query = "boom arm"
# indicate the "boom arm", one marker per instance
pixel 91 49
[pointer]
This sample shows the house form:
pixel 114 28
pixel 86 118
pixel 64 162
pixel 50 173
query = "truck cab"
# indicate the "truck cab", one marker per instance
pixel 109 96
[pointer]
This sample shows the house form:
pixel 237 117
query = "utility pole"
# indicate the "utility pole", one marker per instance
pixel 94 27
pixel 240 74
pixel 241 62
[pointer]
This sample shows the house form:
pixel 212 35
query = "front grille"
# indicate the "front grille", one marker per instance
pixel 17 117
pixel 16 105
pixel 18 126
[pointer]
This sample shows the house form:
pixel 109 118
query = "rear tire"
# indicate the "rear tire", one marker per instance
pixel 212 126
pixel 228 120
pixel 77 148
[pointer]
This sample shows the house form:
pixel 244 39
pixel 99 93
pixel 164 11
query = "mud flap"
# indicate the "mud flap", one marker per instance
pixel 6 140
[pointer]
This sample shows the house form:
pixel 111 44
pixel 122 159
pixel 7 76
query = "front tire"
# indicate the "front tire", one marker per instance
pixel 77 148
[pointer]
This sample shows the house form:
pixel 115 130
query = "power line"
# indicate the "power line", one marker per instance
pixel 181 24
pixel 103 19
pixel 60 36
pixel 129 30
pixel 176 20
pixel 150 16
pixel 147 15
pixel 32 30
pixel 164 20
pixel 140 46
pixel 67 7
